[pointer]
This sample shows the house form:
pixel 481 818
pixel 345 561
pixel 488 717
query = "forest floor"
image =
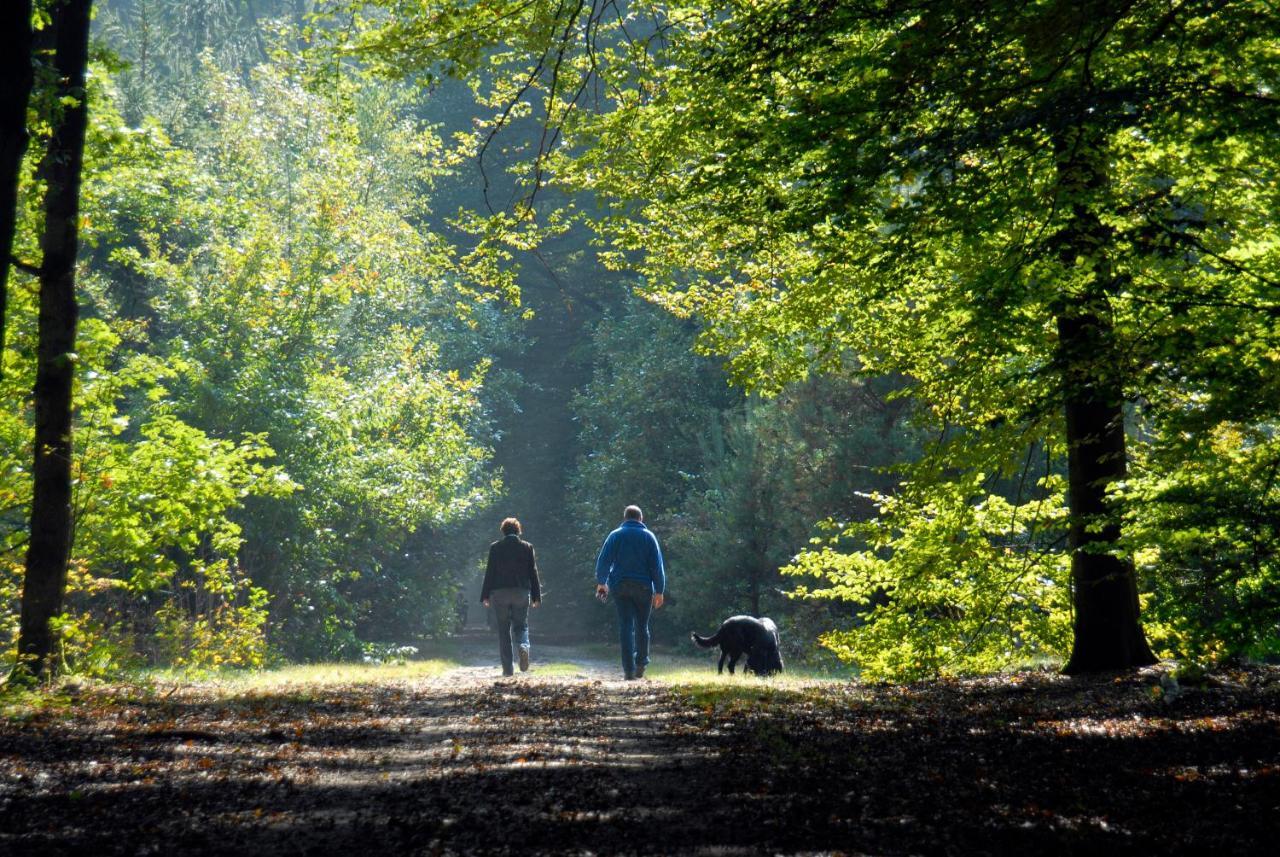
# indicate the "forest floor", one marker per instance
pixel 438 758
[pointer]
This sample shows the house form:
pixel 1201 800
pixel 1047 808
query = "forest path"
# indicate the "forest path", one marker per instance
pixel 571 760
pixel 476 648
pixel 574 760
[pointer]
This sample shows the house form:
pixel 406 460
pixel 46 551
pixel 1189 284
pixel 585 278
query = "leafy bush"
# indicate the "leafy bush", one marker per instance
pixel 1206 533
pixel 215 618
pixel 955 580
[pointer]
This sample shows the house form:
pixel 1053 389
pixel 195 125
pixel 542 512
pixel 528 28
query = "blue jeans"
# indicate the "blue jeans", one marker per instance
pixel 634 604
pixel 511 607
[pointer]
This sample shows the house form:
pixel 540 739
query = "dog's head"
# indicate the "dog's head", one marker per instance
pixel 766 662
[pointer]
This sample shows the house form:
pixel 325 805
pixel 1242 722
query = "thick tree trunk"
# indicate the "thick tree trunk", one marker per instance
pixel 1107 634
pixel 50 546
pixel 15 92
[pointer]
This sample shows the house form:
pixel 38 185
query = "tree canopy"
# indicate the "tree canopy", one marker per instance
pixel 945 332
pixel 1054 222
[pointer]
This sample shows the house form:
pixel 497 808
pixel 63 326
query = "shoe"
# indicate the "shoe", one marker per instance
pixel 524 660
pixel 629 676
pixel 506 673
pixel 639 672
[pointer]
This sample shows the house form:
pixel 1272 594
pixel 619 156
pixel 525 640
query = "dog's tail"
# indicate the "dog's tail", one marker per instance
pixel 705 642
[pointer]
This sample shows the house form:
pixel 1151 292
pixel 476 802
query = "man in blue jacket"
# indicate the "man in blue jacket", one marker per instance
pixel 630 567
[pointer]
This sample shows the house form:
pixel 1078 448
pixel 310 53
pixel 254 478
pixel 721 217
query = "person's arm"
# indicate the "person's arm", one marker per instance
pixel 487 587
pixel 658 573
pixel 604 562
pixel 535 585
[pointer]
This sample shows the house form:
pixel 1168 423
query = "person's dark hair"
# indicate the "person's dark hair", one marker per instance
pixel 632 513
pixel 510 527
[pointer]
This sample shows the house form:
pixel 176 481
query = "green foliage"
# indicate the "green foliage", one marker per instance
pixel 643 366
pixel 156 543
pixel 306 312
pixel 1206 540
pixel 930 191
pixel 771 469
pixel 228 633
pixel 161 44
pixel 951 579
pixel 264 418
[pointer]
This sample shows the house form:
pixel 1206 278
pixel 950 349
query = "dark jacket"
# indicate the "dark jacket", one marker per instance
pixel 512 565
pixel 631 552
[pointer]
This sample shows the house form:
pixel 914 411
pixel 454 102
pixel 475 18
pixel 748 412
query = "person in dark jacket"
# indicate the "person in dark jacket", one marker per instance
pixel 510 587
pixel 630 568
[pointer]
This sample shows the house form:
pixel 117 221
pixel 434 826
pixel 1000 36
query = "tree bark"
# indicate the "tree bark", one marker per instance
pixel 49 549
pixel 1107 633
pixel 16 79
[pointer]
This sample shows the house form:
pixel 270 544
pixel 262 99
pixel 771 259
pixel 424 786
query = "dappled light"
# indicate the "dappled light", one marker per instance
pixel 1029 762
pixel 711 427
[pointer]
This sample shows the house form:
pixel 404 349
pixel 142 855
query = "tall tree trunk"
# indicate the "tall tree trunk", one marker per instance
pixel 15 92
pixel 50 546
pixel 1107 635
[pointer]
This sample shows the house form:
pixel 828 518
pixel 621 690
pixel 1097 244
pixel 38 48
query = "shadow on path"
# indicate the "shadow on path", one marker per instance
pixel 585 764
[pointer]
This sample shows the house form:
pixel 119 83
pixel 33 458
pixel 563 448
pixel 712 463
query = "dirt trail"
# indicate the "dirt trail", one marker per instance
pixel 478 651
pixel 469 762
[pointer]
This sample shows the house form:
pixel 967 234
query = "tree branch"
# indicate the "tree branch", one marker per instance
pixel 24 267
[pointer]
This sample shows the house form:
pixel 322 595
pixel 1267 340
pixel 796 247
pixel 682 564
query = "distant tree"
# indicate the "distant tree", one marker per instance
pixel 770 469
pixel 164 43
pixel 315 307
pixel 642 421
pixel 51 518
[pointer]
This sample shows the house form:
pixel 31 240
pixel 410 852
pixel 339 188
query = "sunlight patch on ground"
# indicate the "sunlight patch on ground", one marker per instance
pixel 693 673
pixel 326 674
pixel 558 668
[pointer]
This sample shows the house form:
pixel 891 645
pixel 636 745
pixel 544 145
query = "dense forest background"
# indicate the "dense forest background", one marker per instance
pixel 300 413
pixel 319 359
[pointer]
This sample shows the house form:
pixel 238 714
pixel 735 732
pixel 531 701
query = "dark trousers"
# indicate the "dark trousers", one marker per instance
pixel 634 602
pixel 511 607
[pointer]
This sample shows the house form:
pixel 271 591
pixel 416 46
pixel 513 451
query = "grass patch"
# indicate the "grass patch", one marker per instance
pixel 22 703
pixel 316 675
pixel 686 670
pixel 695 683
pixel 598 650
pixel 65 694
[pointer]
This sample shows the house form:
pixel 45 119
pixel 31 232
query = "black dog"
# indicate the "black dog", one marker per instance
pixel 739 635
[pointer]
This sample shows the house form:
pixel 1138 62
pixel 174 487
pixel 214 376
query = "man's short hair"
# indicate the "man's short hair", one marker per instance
pixel 510 527
pixel 632 513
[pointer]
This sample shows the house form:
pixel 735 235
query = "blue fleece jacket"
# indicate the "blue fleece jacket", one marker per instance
pixel 631 552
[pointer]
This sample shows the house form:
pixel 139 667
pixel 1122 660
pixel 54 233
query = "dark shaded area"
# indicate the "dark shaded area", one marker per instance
pixel 1033 764
pixel 16 80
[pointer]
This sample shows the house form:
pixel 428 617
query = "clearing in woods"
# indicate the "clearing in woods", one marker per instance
pixel 439 759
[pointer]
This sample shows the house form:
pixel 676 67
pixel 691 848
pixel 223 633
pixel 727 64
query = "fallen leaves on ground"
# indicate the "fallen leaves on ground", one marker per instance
pixel 464 763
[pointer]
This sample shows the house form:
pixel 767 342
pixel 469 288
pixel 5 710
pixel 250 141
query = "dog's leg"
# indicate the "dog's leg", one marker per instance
pixel 733 662
pixel 720 667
